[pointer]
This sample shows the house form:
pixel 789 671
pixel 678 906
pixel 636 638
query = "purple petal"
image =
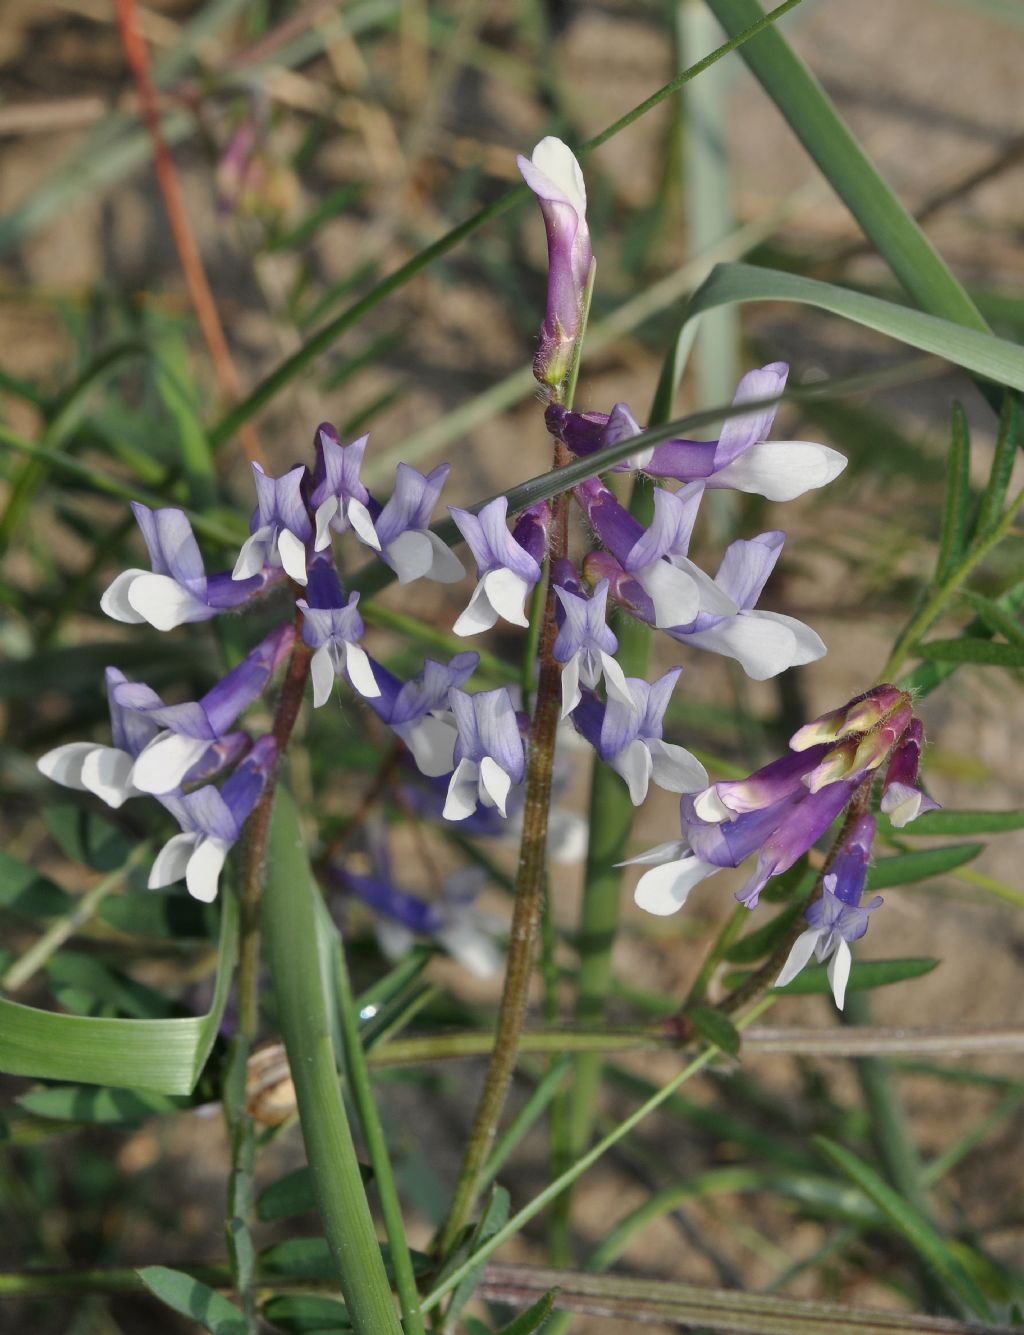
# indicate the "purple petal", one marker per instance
pixel 739 433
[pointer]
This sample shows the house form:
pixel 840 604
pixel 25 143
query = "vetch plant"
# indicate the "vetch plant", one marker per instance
pixel 304 758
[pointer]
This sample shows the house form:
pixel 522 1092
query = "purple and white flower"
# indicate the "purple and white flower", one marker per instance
pixel 763 643
pixel 838 918
pixel 656 557
pixel 742 458
pixel 453 920
pixel 585 645
pixel 187 731
pixel 177 590
pixel 902 799
pixel 419 711
pixel 211 823
pixel 338 499
pixel 279 529
pixel 489 754
pixel 106 771
pixel 554 176
pixel 627 734
pixel 400 532
pixel 506 570
pixel 332 628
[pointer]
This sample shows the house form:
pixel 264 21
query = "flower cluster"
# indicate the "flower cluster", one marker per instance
pixel 782 810
pixel 470 744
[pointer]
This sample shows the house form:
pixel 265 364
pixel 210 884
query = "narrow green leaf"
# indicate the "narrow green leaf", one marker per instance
pixel 866 975
pixel 162 1055
pixel 965 822
pixel 494 1217
pixel 715 1028
pixel 916 1230
pixel 1008 440
pixel 906 868
pixel 307 1314
pixel 174 384
pixel 292 1194
pixel 953 536
pixel 533 1318
pixel 87 1104
pixel 86 973
pixel 170 913
pixel 983 652
pixel 998 621
pixel 86 836
pixel 188 1297
pixel 24 891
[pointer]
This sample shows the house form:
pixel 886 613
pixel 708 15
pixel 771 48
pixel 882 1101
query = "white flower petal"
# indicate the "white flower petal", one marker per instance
pixel 711 597
pixel 839 972
pixel 799 956
pixel 204 868
pixel 172 860
pixel 161 601
pixel 462 792
pixel 809 644
pixel 362 524
pixel 664 890
pixel 107 773
pixel 506 592
pixel 615 681
pixel 410 556
pixel 571 693
pixel 654 857
pixel 478 616
pixel 634 764
pixel 674 769
pixel 432 743
pixel 360 674
pixel 325 512
pixel 321 671
pixel 292 551
pixel 759 643
pixel 445 568
pixel 163 764
pixel 64 764
pixel 672 591
pixel 494 783
pixel 557 161
pixel 252 555
pixel 781 470
pixel 115 600
pixel 710 807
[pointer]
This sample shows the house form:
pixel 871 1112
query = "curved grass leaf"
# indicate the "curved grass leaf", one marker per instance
pixel 190 1298
pixel 907 868
pixel 162 1055
pixel 983 652
pixel 921 1236
pixel 533 1318
pixel 982 353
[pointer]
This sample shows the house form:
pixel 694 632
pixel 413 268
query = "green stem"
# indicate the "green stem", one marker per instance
pixel 937 601
pixel 241 1130
pixel 289 919
pixel 555 1188
pixel 373 1133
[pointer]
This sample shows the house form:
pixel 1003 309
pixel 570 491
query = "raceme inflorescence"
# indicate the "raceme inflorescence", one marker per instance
pixel 470 746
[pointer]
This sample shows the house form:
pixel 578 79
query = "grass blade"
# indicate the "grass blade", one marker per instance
pixel 953 537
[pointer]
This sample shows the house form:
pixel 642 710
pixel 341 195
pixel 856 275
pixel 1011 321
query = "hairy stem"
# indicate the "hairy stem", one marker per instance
pixel 529 893
pixel 240 1125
